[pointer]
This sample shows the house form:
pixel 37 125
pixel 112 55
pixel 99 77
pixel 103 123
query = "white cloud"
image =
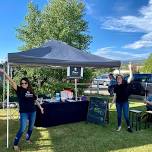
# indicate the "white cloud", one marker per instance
pixel 108 52
pixel 2 60
pixel 141 23
pixel 89 8
pixel 145 41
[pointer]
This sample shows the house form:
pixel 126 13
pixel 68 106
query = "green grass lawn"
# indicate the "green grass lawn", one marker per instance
pixel 80 137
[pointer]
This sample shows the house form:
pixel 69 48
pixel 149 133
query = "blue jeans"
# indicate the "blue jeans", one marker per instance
pixel 24 117
pixel 125 107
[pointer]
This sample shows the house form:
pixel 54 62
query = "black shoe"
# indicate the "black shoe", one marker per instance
pixel 129 130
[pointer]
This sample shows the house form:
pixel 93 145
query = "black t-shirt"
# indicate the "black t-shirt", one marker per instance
pixel 122 91
pixel 26 100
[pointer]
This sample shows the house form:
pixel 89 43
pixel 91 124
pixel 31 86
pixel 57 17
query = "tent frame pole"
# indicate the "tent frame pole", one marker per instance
pixel 3 86
pixel 11 72
pixel 8 69
pixel 145 92
pixel 76 90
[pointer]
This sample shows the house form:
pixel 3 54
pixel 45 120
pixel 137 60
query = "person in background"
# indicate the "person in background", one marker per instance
pixel 111 84
pixel 122 91
pixel 27 109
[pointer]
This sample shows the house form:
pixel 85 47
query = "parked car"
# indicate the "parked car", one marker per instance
pixel 11 104
pixel 103 80
pixel 141 84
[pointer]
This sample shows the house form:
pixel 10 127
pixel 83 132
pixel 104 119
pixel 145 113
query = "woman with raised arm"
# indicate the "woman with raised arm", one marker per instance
pixel 27 109
pixel 122 91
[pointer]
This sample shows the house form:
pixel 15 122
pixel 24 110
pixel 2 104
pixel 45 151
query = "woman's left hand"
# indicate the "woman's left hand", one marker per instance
pixel 42 110
pixel 146 102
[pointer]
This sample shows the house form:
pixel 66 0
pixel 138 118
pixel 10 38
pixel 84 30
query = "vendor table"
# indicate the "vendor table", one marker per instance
pixel 61 113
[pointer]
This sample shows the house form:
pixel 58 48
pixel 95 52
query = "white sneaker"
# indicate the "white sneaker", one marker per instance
pixel 119 128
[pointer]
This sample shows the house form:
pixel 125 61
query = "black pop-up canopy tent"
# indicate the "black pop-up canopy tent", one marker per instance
pixel 55 53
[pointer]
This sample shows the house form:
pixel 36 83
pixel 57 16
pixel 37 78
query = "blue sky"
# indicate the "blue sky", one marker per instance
pixel 121 29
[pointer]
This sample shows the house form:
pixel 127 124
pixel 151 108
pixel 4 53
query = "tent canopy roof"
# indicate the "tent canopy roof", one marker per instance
pixel 57 53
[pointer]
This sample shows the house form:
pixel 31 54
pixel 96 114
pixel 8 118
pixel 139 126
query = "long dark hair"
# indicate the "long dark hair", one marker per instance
pixel 119 75
pixel 29 88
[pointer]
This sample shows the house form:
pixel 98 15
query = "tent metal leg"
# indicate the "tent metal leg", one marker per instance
pixel 76 90
pixel 11 72
pixel 146 91
pixel 3 86
pixel 98 87
pixel 8 107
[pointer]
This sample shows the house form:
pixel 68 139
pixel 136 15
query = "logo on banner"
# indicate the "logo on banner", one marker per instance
pixel 74 72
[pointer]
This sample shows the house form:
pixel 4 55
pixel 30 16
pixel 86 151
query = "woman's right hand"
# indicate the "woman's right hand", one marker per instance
pixel 13 83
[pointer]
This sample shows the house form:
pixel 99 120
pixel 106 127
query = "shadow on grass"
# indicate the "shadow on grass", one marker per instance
pixel 87 137
pixel 80 137
pixel 13 128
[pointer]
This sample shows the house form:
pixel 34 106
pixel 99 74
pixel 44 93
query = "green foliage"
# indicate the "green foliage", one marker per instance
pixel 147 65
pixel 48 81
pixel 80 137
pixel 43 80
pixel 30 32
pixel 102 71
pixel 61 20
pixel 87 78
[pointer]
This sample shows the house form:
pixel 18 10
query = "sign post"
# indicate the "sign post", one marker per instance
pixel 76 91
pixel 75 73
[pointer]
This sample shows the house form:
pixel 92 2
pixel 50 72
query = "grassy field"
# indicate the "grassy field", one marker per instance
pixel 79 137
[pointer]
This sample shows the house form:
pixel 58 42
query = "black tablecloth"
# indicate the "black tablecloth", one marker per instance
pixel 61 113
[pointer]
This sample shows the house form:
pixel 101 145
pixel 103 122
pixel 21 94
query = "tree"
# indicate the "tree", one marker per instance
pixel 148 65
pixel 30 32
pixel 64 20
pixel 61 20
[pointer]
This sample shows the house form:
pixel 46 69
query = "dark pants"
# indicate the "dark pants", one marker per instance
pixel 125 107
pixel 149 117
pixel 111 90
pixel 24 117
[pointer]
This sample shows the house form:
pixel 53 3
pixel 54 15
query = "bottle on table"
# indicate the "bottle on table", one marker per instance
pixel 57 97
